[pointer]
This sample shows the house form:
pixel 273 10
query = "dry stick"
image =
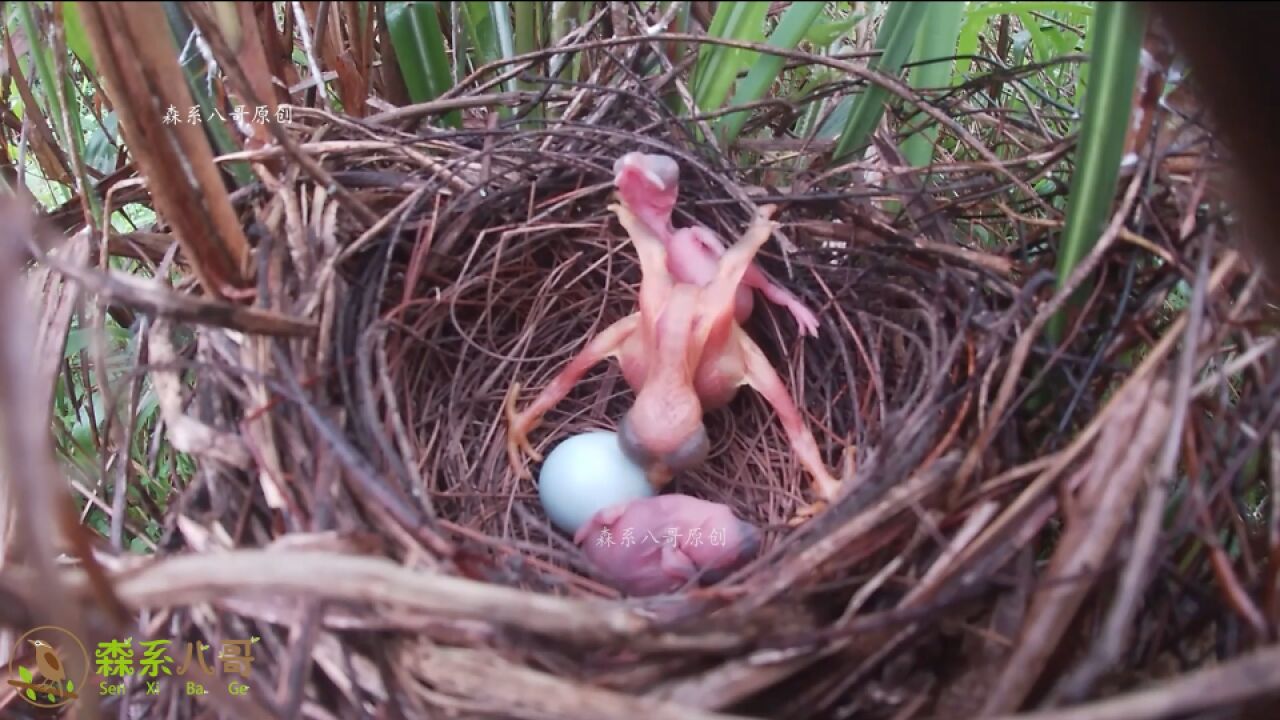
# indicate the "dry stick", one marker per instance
pixel 1032 333
pixel 58 299
pixel 357 147
pixel 1114 481
pixel 910 602
pixel 151 296
pixel 34 486
pixel 1016 512
pixel 897 499
pixel 581 99
pixel 212 33
pixel 735 680
pixel 1138 570
pixel 511 98
pixel 1251 676
pixel 1271 596
pixel 366 482
pixel 965 535
pixel 188 434
pixel 329 267
pixel 191 579
pixel 309 50
pixel 522 692
pixel 1023 349
pixel 1239 364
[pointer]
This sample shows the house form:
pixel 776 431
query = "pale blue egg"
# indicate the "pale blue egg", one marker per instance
pixel 585 474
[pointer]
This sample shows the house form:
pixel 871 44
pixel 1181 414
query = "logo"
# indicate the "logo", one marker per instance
pixel 51 667
pixel 55 671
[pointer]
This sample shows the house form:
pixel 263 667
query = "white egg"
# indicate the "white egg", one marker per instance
pixel 585 474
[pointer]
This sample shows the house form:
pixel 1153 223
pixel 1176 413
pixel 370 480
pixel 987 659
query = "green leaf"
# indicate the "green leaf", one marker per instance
pixel 99 151
pixel 71 687
pixel 1108 104
pixel 25 676
pixel 979 14
pixel 1082 76
pixel 895 40
pixel 1040 45
pixel 719 22
pixel 419 45
pixel 825 32
pixel 77 38
pixel 1063 41
pixel 68 132
pixel 527 26
pixel 480 29
pixel 967 44
pixel 506 36
pixel 791 29
pixel 715 73
pixel 991 9
pixel 77 340
pixel 937 39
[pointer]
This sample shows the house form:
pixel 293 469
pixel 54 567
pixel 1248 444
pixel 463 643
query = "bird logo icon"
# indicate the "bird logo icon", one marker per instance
pixel 49 664
pixel 55 669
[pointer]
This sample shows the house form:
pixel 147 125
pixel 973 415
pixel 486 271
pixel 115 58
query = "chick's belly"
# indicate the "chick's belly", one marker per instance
pixel 688 260
pixel 718 379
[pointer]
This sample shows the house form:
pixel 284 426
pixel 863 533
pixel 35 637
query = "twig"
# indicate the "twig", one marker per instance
pixel 1249 677
pixel 191 579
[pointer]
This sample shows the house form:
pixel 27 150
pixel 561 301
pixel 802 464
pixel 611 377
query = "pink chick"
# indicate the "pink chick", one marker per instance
pixel 649 185
pixel 655 545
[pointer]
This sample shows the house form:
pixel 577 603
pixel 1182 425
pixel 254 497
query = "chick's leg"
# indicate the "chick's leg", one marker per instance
pixel 607 343
pixel 754 278
pixel 779 295
pixel 761 376
pixel 719 296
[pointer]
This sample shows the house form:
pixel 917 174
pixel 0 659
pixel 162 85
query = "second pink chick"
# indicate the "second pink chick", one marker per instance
pixel 654 545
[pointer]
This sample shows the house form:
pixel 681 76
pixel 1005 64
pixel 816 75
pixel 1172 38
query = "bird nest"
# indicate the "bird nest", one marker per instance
pixel 404 562
pixel 500 260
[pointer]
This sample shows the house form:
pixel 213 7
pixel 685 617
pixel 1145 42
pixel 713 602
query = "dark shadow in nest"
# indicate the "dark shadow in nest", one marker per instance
pixel 507 280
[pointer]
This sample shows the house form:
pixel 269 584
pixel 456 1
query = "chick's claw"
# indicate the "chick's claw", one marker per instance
pixel 805 318
pixel 807 513
pixel 518 427
pixel 827 488
pixel 607 343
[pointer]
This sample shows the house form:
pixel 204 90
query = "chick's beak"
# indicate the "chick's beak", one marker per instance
pixel 658 476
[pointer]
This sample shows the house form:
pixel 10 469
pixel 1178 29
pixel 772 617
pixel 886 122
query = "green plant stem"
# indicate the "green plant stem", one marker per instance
pixel 1107 106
